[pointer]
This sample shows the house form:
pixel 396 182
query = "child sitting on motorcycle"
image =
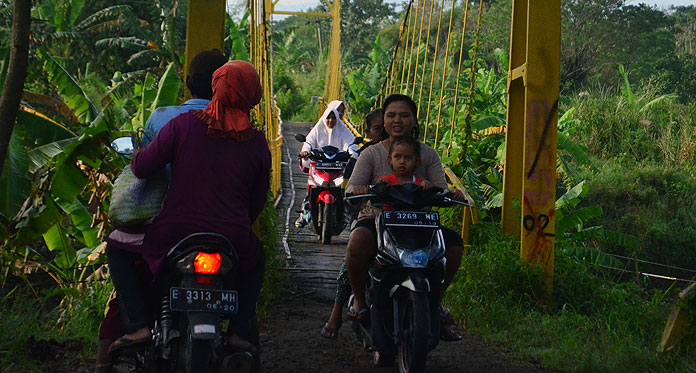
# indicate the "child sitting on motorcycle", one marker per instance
pixel 404 157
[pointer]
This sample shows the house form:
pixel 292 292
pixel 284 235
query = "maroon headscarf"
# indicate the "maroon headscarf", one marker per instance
pixel 236 89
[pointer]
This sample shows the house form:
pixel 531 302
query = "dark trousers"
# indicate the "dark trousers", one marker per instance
pixel 248 285
pixel 133 288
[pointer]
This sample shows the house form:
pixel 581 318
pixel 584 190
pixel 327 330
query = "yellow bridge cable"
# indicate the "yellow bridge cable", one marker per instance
pixel 472 81
pixel 432 75
pixel 407 18
pixel 420 39
pixel 425 58
pixel 410 58
pixel 444 73
pixel 385 90
pixel 408 33
pixel 459 69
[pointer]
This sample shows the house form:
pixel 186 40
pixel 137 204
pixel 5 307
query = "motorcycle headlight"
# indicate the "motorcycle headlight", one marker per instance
pixel 337 182
pixel 414 258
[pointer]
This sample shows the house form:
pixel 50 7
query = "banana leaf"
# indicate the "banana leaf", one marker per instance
pixel 40 156
pixel 69 89
pixel 574 150
pixel 14 182
pixel 40 128
pixel 571 198
pixel 57 240
pixel 68 182
pixel 81 219
pixel 5 55
pixel 35 221
pixel 577 218
pixel 167 89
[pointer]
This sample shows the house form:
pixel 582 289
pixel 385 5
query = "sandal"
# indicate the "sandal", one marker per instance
pixel 448 327
pixel 330 332
pixel 124 342
pixel 362 316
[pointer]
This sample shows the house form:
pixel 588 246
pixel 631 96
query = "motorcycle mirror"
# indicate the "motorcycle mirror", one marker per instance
pixel 123 145
pixel 358 140
pixel 300 137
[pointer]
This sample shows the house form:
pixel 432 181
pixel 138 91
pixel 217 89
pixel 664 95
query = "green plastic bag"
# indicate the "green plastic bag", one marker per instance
pixel 135 201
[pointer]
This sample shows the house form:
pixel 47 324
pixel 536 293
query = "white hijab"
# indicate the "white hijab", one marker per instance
pixel 339 136
pixel 334 105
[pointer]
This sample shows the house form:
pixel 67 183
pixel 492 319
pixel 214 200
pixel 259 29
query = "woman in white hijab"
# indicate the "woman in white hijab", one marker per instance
pixel 339 106
pixel 329 130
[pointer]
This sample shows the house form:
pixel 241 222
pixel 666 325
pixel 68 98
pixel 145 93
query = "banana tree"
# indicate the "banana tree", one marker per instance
pixel 63 200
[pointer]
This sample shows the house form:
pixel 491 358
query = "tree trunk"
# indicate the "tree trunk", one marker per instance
pixel 16 73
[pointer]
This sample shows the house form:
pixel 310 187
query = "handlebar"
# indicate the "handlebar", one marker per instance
pixel 442 196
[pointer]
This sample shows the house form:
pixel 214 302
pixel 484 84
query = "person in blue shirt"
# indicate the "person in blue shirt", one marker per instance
pixel 199 82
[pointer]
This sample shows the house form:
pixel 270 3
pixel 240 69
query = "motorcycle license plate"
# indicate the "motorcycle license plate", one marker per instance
pixel 328 165
pixel 430 219
pixel 206 300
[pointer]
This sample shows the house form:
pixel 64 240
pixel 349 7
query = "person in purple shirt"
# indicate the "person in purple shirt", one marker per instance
pixel 199 82
pixel 220 169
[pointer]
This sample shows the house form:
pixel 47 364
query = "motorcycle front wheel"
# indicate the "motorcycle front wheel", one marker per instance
pixel 326 224
pixel 415 324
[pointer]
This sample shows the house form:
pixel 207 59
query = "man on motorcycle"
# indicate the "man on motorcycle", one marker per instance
pixel 329 130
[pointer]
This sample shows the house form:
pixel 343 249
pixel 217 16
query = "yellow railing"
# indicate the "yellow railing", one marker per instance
pixel 266 114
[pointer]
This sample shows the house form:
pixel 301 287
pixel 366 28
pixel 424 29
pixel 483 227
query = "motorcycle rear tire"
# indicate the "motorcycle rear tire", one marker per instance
pixel 326 225
pixel 415 325
pixel 194 354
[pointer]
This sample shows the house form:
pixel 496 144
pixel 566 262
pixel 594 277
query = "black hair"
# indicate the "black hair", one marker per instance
pixel 411 105
pixel 408 141
pixel 372 115
pixel 200 73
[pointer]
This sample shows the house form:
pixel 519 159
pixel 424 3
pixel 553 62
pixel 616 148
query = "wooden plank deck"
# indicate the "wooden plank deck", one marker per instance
pixel 312 266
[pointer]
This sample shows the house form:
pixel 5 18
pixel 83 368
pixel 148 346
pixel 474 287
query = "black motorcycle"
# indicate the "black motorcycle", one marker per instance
pixel 325 196
pixel 405 282
pixel 190 300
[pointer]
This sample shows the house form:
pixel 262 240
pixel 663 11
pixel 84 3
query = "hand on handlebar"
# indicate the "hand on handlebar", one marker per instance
pixel 360 189
pixel 303 154
pixel 458 195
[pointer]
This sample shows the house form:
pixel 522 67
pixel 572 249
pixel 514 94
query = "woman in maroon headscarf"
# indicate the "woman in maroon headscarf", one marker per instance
pixel 220 167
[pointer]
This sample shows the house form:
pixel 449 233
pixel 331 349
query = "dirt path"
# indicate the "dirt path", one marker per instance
pixel 290 336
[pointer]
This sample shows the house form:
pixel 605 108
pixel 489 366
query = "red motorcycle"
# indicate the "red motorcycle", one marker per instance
pixel 325 195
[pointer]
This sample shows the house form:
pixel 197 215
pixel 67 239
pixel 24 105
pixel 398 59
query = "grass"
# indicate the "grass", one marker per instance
pixel 70 317
pixel 594 325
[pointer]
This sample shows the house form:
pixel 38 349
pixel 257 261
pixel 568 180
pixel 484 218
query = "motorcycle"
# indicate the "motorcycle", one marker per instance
pixel 192 295
pixel 405 279
pixel 325 195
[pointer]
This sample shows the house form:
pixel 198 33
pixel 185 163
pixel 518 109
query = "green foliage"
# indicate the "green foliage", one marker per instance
pixel 594 324
pixel 68 316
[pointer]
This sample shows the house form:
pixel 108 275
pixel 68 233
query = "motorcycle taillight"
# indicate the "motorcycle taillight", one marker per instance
pixel 207 263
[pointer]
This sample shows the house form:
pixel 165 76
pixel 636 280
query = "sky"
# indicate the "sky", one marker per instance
pixel 305 4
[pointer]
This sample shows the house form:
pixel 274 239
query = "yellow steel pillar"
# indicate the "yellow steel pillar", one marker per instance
pixel 531 137
pixel 205 29
pixel 514 136
pixel 333 66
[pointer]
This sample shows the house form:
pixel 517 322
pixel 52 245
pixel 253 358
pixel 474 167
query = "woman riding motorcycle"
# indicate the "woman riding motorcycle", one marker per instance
pixel 220 167
pixel 329 131
pixel 400 119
